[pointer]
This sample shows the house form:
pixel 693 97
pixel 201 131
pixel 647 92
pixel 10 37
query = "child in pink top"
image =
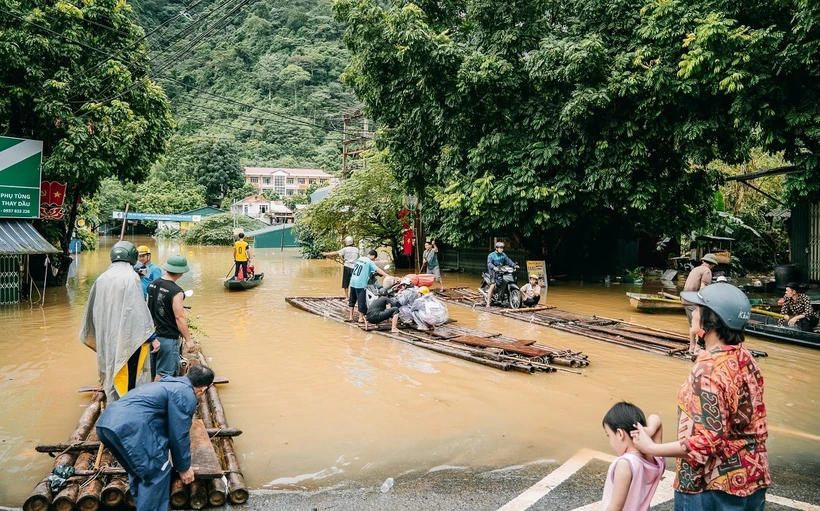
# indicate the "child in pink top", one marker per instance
pixel 632 478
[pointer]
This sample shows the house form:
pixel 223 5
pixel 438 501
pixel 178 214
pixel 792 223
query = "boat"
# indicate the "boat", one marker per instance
pixel 232 284
pixel 654 303
pixel 764 324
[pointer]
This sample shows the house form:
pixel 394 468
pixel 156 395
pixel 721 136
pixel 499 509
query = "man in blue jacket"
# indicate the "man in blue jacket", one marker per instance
pixel 145 424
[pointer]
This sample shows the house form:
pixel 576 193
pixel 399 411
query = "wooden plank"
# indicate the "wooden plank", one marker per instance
pixel 484 342
pixel 203 457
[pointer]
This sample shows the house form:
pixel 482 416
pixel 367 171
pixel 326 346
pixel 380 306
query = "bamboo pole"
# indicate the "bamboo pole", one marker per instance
pixel 88 498
pixel 40 498
pixel 217 489
pixel 199 496
pixel 65 500
pixel 113 493
pixel 93 445
pixel 237 492
pixel 179 492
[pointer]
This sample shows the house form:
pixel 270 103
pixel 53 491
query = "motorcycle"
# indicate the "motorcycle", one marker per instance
pixel 375 290
pixel 506 294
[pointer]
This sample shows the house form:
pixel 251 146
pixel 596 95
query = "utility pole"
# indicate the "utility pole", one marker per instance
pixel 355 142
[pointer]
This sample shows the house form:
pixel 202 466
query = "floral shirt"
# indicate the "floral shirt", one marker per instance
pixel 722 425
pixel 792 307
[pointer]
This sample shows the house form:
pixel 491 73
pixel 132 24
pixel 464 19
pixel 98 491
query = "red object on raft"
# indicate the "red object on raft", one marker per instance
pixel 422 279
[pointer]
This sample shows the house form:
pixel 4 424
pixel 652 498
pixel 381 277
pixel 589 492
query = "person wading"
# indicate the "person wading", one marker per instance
pixel 241 256
pixel 698 279
pixel 723 463
pixel 140 429
pixel 349 255
pixel 152 271
pixel 430 257
pixel 118 326
pixel 165 303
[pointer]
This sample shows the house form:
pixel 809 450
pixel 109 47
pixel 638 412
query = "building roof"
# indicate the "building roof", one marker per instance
pixel 321 194
pixel 272 228
pixel 278 207
pixel 267 171
pixel 253 199
pixel 19 237
pixel 205 211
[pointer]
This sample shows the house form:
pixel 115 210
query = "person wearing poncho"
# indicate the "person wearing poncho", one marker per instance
pixel 117 325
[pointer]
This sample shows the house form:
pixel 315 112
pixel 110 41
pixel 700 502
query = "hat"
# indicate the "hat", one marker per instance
pixel 405 281
pixel 709 258
pixel 424 290
pixel 176 264
pixel 722 279
pixel 533 275
pixel 143 249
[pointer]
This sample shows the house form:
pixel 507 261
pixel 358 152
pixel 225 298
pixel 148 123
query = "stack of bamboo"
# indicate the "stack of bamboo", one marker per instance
pixel 99 481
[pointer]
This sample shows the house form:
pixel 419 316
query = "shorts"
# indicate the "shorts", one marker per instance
pixel 358 295
pixel 690 309
pixel 719 501
pixel 436 273
pixel 346 274
pixel 165 362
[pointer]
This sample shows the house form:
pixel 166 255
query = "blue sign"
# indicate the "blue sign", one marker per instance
pixel 158 217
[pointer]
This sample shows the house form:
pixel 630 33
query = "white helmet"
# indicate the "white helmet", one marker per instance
pixel 388 282
pixel 405 281
pixel 348 240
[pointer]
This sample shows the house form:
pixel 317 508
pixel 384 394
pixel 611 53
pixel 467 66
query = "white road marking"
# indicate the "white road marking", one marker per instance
pixel 664 493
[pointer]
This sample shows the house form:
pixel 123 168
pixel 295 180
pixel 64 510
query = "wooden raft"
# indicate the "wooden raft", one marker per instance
pixel 99 481
pixel 492 350
pixel 613 331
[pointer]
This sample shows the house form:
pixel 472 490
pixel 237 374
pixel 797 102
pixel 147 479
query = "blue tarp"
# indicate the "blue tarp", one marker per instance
pixel 20 237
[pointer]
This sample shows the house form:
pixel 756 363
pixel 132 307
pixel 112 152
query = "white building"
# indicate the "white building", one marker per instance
pixel 262 209
pixel 286 182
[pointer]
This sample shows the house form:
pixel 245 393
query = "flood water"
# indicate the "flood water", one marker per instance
pixel 322 403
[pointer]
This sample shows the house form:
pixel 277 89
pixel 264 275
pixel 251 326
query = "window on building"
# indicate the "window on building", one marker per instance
pixel 279 184
pixel 245 209
pixel 290 192
pixel 290 180
pixel 301 180
pixel 300 192
pixel 266 180
pixel 254 180
pixel 323 181
pixel 263 208
pixel 311 181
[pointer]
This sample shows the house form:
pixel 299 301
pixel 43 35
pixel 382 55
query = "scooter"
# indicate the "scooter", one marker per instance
pixel 506 294
pixel 375 290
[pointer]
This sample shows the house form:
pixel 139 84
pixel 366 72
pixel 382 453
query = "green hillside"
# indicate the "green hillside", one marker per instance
pixel 283 57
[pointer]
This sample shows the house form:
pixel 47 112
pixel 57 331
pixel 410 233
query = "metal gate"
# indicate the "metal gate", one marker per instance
pixel 9 279
pixel 814 242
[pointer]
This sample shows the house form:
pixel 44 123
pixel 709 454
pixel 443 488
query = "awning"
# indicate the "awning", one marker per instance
pixel 20 237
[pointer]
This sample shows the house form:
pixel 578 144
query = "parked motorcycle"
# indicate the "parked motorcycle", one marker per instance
pixel 507 294
pixel 375 290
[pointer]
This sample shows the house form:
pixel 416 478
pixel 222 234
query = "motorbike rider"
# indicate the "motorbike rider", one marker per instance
pixel 495 261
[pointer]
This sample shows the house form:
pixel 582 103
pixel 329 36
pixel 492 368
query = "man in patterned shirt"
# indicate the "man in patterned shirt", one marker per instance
pixel 797 310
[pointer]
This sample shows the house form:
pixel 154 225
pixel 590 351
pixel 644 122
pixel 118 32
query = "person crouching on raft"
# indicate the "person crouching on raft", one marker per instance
pixel 722 429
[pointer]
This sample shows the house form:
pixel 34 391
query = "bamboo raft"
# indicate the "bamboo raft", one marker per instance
pixel 613 331
pixel 100 482
pixel 492 350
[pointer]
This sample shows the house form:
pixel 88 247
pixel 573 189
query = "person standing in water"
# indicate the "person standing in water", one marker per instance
pixel 430 257
pixel 349 255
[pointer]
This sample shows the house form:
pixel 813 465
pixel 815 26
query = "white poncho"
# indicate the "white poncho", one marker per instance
pixel 116 323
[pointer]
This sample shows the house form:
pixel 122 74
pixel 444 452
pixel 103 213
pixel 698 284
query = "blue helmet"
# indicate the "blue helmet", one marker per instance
pixel 727 301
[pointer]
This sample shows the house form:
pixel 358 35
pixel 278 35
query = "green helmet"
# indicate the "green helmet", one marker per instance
pixel 729 303
pixel 124 251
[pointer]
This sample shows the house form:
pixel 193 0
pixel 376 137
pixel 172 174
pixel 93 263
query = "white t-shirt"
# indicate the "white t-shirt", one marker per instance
pixel 530 291
pixel 349 255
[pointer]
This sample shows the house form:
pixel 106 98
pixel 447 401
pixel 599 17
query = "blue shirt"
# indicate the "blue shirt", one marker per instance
pixel 361 272
pixel 496 259
pixel 154 272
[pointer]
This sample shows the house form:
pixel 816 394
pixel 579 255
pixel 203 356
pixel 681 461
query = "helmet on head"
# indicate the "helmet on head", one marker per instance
pixel 424 290
pixel 176 264
pixel 143 249
pixel 140 268
pixel 722 279
pixel 709 258
pixel 348 240
pixel 124 251
pixel 499 244
pixel 729 303
pixel 405 281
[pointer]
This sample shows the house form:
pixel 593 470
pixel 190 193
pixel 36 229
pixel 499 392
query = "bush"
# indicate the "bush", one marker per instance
pixel 218 229
pixel 89 239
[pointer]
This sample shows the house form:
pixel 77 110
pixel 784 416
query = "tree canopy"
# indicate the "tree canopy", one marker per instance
pixel 533 117
pixel 75 75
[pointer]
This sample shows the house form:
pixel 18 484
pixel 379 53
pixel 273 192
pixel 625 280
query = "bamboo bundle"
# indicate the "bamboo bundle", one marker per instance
pixel 199 496
pixel 179 492
pixel 237 492
pixel 114 491
pixel 40 498
pixel 217 489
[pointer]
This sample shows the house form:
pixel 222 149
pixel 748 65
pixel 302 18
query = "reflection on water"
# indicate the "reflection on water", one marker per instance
pixel 321 403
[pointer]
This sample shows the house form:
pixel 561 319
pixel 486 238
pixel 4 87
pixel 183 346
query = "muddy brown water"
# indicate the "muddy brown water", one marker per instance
pixel 322 403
